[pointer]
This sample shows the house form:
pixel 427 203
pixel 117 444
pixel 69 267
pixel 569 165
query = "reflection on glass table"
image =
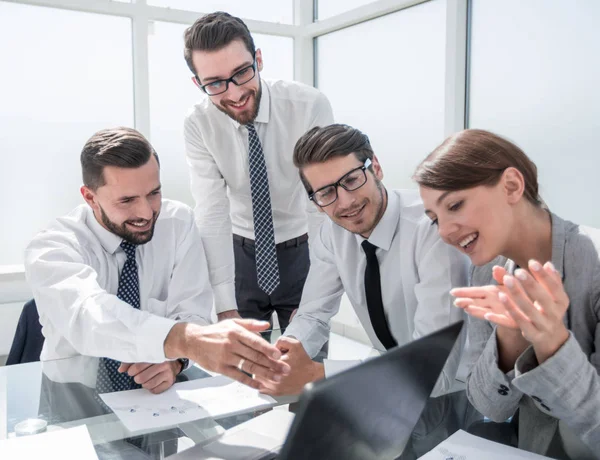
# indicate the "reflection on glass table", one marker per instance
pixel 61 393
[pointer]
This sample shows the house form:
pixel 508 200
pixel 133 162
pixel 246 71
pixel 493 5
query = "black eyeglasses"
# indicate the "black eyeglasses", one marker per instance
pixel 239 78
pixel 350 181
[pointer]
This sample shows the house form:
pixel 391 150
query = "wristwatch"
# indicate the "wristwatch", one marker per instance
pixel 184 364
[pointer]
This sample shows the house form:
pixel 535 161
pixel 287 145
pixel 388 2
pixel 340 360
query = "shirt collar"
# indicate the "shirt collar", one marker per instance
pixel 264 107
pixel 384 231
pixel 109 241
pixel 558 243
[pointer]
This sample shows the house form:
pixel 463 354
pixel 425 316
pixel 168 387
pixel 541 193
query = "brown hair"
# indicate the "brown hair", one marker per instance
pixel 121 147
pixel 321 144
pixel 476 157
pixel 213 32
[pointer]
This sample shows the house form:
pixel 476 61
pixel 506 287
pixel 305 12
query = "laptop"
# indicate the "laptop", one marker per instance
pixel 367 412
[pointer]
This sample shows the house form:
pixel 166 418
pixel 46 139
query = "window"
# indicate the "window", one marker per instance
pixel 534 78
pixel 172 94
pixel 386 78
pixel 68 78
pixel 281 11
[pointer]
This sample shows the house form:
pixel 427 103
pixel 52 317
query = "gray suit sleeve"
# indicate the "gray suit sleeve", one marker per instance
pixel 488 388
pixel 567 386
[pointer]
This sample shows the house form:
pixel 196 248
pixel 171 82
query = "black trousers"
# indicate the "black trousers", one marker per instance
pixel 253 302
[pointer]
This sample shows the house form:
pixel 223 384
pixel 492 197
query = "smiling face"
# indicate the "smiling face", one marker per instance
pixel 357 211
pixel 477 221
pixel 129 202
pixel 239 102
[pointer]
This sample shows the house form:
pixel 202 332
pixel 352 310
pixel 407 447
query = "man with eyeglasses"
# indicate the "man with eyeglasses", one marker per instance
pixel 239 143
pixel 378 248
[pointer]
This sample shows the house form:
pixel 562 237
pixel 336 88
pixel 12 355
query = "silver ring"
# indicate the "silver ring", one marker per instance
pixel 241 363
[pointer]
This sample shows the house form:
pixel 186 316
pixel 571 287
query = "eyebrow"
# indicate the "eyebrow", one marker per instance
pixel 233 72
pixel 135 196
pixel 341 177
pixel 439 200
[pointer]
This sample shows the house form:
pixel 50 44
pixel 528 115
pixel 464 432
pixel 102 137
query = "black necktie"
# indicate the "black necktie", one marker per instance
pixel 374 300
pixel 109 378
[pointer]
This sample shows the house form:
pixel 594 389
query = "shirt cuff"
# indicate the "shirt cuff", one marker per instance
pixel 151 339
pixel 335 366
pixel 224 297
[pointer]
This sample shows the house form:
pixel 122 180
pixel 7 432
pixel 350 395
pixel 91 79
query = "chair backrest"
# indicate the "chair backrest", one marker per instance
pixel 29 340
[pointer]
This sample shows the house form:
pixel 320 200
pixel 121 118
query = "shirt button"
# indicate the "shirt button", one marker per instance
pixel 504 387
pixel 535 398
pixel 502 392
pixel 546 407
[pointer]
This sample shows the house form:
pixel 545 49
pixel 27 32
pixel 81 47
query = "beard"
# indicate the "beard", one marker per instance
pixel 248 115
pixel 123 232
pixel 365 227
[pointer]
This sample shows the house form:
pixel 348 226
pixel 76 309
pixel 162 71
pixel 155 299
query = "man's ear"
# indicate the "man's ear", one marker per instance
pixel 259 59
pixel 377 168
pixel 513 184
pixel 89 196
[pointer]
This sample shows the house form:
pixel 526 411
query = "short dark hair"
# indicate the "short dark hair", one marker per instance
pixel 320 144
pixel 121 147
pixel 475 157
pixel 213 32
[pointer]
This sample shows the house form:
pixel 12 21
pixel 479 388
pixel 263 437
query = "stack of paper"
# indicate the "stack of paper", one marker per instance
pixel 184 402
pixel 70 444
pixel 464 446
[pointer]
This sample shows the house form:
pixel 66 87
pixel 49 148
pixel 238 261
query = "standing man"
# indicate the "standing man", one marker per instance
pixel 239 145
pixel 378 247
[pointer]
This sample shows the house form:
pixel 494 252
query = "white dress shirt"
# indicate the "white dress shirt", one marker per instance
pixel 73 270
pixel 417 272
pixel 217 153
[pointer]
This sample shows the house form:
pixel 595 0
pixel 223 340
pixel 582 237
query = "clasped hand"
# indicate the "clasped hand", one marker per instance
pixel 533 302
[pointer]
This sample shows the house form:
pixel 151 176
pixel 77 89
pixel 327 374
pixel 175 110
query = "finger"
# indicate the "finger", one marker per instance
pixel 524 323
pixel 123 367
pixel 252 324
pixel 235 374
pixel 474 292
pixel 498 274
pixel 477 312
pixel 250 365
pixel 550 278
pixel 463 302
pixel 535 290
pixel 501 320
pixel 162 387
pixel 157 380
pixel 149 373
pixel 261 346
pixel 516 294
pixel 137 368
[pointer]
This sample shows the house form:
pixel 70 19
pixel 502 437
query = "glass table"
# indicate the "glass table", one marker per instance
pixel 62 393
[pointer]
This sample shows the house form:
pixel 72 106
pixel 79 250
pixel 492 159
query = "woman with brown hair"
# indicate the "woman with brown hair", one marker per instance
pixel 534 299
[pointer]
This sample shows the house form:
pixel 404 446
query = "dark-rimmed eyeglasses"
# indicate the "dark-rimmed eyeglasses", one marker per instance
pixel 239 78
pixel 350 181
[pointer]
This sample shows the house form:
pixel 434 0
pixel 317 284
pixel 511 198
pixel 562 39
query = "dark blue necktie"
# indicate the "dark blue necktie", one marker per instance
pixel 267 268
pixel 109 378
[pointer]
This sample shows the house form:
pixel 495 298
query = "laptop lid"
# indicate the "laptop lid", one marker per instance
pixel 370 411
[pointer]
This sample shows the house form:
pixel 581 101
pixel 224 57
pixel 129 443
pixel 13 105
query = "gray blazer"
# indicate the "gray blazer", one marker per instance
pixel 567 386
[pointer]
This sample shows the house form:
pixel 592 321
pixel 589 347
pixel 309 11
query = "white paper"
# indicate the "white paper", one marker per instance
pixel 464 446
pixel 184 402
pixel 248 441
pixel 68 444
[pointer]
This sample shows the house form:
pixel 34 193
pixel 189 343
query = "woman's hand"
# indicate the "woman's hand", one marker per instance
pixel 537 303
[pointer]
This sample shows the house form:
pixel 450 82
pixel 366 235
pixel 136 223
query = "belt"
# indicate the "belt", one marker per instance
pixel 284 244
